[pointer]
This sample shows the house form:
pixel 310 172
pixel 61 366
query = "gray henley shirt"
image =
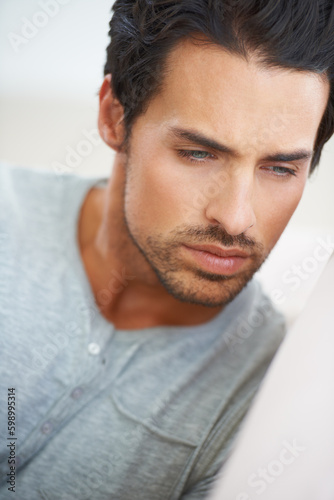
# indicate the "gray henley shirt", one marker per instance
pixel 103 413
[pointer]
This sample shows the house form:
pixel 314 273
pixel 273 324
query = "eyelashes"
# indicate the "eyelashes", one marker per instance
pixel 194 155
pixel 282 171
pixel 200 156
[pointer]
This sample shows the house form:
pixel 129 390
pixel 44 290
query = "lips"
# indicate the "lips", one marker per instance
pixel 215 259
pixel 220 252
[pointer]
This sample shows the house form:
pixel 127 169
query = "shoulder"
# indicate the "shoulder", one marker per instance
pixel 251 342
pixel 39 213
pixel 33 194
pixel 37 184
pixel 257 328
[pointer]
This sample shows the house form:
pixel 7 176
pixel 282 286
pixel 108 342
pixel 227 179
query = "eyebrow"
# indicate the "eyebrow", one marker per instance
pixel 201 140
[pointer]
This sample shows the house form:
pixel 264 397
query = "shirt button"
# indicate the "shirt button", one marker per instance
pixel 94 349
pixel 47 428
pixel 76 393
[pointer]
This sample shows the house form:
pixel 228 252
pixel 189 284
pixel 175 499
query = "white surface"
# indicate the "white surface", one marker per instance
pixel 286 448
pixel 294 266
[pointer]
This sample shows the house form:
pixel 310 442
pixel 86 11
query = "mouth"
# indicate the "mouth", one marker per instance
pixel 214 259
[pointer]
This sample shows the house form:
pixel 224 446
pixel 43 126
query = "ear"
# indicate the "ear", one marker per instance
pixel 111 115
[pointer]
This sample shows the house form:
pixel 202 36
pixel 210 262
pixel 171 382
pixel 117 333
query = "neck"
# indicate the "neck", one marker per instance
pixel 126 289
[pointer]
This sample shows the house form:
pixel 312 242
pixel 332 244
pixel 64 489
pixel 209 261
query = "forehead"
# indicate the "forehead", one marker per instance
pixel 225 96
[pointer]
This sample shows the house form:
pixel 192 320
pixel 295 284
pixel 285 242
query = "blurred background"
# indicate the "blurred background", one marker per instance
pixel 52 54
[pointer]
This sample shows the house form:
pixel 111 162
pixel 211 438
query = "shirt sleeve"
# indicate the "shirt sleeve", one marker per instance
pixel 214 456
pixel 202 488
pixel 220 441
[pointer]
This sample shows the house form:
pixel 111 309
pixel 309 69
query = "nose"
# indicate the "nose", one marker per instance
pixel 233 206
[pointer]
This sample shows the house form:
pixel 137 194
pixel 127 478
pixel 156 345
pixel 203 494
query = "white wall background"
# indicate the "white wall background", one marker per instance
pixel 49 83
pixel 49 78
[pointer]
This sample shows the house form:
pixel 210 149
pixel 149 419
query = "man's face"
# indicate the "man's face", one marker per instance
pixel 216 167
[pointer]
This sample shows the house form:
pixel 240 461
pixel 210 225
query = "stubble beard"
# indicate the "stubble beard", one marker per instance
pixel 183 281
pixel 191 284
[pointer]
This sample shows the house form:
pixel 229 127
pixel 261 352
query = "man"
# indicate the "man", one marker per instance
pixel 133 338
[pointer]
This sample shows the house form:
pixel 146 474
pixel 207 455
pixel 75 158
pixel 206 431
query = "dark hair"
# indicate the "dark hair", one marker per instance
pixel 297 34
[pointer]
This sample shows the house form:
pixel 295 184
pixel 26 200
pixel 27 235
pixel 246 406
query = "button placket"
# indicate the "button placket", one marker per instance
pixel 77 393
pixel 47 427
pixel 94 349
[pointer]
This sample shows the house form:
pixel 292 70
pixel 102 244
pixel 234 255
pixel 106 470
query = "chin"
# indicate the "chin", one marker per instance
pixel 204 290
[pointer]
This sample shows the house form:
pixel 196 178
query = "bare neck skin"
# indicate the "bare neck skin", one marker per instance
pixel 135 297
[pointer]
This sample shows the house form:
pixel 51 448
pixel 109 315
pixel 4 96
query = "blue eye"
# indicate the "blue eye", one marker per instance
pixel 282 171
pixel 199 155
pixel 194 155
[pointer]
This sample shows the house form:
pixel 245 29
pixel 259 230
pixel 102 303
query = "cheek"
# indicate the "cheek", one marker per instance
pixel 278 211
pixel 157 195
